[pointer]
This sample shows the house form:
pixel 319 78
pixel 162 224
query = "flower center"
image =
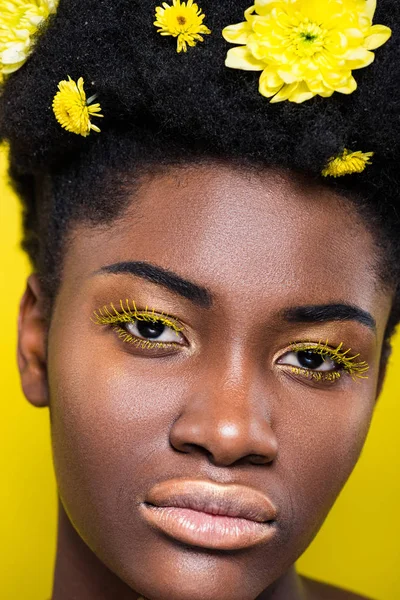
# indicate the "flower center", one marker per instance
pixel 307 38
pixel 181 20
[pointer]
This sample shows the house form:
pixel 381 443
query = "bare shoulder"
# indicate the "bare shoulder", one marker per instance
pixel 316 590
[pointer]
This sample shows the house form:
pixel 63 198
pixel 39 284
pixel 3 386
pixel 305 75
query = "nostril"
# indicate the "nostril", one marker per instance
pixel 257 459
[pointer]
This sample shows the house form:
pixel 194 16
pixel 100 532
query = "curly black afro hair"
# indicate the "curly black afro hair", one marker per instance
pixel 162 107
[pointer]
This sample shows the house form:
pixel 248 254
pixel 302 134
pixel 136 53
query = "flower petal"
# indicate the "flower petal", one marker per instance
pixel 301 93
pixel 370 7
pixel 360 58
pixel 318 87
pixel 270 83
pixel 285 92
pixel 349 88
pixel 352 35
pixel 378 35
pixel 15 54
pixel 264 7
pixel 241 58
pixel 326 93
pixel 289 74
pixel 35 20
pixel 12 68
pixel 248 14
pixel 317 11
pixel 237 34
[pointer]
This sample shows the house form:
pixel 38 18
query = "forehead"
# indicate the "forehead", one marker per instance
pixel 248 236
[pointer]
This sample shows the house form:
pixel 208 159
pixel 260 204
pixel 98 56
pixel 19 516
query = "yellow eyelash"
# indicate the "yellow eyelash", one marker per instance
pixel 355 369
pixel 129 315
pixel 317 375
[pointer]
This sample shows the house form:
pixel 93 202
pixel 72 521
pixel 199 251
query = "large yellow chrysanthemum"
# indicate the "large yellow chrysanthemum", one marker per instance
pixel 20 22
pixel 183 21
pixel 305 48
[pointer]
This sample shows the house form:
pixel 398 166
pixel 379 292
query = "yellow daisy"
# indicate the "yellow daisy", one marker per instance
pixel 20 22
pixel 182 20
pixel 305 48
pixel 72 110
pixel 347 163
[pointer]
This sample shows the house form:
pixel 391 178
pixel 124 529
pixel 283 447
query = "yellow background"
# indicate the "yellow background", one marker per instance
pixel 357 548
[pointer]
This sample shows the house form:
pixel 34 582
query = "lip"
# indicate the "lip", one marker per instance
pixel 210 515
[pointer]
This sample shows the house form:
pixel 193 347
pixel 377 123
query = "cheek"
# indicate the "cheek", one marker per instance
pixel 319 448
pixel 107 423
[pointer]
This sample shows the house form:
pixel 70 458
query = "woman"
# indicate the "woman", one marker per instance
pixel 215 278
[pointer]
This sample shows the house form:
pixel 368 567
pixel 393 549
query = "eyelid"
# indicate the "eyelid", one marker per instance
pixel 103 316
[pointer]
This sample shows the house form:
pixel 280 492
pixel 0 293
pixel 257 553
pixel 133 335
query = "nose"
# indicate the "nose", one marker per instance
pixel 227 417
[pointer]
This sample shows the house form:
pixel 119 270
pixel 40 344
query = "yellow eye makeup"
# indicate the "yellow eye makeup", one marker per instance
pixel 152 326
pixel 317 376
pixel 341 358
pixel 109 315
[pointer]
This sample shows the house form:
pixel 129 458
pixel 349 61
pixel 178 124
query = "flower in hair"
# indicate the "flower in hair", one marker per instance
pixel 72 110
pixel 305 48
pixel 183 20
pixel 20 23
pixel 347 163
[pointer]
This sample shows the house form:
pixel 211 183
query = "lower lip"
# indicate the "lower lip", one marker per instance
pixel 207 531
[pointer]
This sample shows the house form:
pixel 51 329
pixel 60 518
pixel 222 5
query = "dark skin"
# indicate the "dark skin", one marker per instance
pixel 223 405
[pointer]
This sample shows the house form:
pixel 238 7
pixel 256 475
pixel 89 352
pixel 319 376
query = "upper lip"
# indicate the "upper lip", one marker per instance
pixel 228 500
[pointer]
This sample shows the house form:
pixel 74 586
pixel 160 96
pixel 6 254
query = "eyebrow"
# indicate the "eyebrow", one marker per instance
pixel 322 313
pixel 202 296
pixel 197 294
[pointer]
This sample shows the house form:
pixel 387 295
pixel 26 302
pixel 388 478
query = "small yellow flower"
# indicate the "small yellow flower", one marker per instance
pixel 305 48
pixel 72 110
pixel 181 20
pixel 347 163
pixel 20 22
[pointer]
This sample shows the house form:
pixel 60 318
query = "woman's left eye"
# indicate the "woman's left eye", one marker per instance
pixel 154 331
pixel 307 359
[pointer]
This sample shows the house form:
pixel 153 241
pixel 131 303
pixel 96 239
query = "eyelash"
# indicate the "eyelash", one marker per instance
pixel 356 370
pixel 130 315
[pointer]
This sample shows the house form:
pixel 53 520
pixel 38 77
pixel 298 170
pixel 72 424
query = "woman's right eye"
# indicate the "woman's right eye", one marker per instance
pixel 144 328
pixel 154 331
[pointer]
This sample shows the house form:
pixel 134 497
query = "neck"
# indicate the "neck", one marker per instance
pixel 80 574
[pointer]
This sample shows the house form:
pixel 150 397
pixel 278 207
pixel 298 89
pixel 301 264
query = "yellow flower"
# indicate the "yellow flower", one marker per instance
pixel 305 48
pixel 72 110
pixel 347 163
pixel 181 20
pixel 20 22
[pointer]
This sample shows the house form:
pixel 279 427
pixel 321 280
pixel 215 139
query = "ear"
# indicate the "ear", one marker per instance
pixel 32 341
pixel 386 352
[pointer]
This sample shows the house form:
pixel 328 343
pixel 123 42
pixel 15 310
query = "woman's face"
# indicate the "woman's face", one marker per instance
pixel 223 403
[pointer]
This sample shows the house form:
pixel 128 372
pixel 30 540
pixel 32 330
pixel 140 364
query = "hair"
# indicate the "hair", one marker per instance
pixel 163 108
